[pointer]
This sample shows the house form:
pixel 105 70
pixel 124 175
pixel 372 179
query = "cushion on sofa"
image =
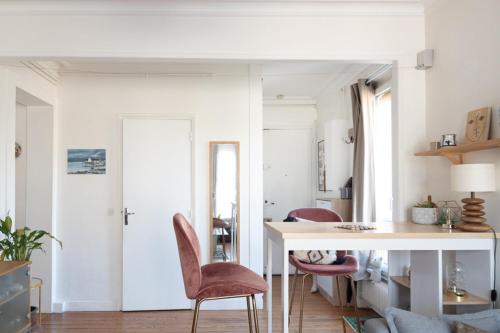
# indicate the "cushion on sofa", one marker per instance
pixel 401 321
pixel 376 325
pixel 488 320
pixel 459 327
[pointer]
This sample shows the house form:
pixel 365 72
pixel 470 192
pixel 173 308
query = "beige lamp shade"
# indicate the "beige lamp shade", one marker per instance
pixel 473 177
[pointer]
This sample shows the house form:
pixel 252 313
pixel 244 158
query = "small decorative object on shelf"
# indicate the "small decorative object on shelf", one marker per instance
pixel 478 125
pixel 449 212
pixel 448 140
pixel 356 227
pixel 455 277
pixel 473 178
pixel 435 145
pixel 424 212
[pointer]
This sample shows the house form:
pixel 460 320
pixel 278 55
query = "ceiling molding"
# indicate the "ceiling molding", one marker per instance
pixel 45 72
pixel 289 100
pixel 213 8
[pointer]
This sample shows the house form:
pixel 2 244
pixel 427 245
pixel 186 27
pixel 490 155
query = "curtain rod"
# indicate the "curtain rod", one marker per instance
pixel 378 73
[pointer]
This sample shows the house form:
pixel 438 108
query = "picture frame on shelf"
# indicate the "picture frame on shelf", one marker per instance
pixel 321 166
pixel 478 125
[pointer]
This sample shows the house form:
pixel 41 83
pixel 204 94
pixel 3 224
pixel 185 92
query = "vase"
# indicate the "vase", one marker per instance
pixel 424 215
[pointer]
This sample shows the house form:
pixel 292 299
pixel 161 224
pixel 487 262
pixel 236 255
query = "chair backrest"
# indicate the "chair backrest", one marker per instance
pixel 318 215
pixel 190 255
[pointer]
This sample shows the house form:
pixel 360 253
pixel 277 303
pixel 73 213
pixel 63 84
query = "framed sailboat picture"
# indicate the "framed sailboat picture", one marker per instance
pixel 86 161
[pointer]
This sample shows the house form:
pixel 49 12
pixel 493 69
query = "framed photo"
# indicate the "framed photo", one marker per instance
pixel 321 166
pixel 86 161
pixel 478 125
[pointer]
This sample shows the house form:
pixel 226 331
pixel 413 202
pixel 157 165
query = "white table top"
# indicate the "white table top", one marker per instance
pixel 384 230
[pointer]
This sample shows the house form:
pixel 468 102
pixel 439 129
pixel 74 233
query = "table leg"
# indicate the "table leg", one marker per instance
pixel 284 290
pixel 269 277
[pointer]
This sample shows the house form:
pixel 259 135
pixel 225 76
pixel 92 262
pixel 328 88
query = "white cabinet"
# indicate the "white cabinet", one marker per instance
pixel 343 207
pixel 325 204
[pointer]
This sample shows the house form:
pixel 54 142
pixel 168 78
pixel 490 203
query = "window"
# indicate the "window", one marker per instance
pixel 382 130
pixel 382 137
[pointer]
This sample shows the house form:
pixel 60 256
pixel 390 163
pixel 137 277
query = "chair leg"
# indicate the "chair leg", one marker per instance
pixel 255 315
pixel 342 313
pixel 249 310
pixel 292 293
pixel 302 302
pixel 224 254
pixel 195 317
pixel 355 302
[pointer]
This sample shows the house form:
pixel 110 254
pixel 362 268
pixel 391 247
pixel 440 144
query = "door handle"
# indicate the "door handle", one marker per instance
pixel 126 213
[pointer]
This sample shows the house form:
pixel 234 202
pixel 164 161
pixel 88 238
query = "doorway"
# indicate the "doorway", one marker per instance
pixel 157 183
pixel 287 171
pixel 287 176
pixel 34 168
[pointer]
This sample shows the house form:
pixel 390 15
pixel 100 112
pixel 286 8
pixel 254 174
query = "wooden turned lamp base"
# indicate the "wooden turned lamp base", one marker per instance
pixel 473 215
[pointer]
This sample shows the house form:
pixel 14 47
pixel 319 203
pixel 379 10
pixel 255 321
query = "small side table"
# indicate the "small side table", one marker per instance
pixel 37 283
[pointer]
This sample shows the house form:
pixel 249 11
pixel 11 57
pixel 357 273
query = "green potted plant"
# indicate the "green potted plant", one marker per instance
pixel 424 212
pixel 19 244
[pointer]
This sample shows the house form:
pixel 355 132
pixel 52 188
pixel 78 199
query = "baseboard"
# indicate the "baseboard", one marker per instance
pixel 90 306
pixel 230 304
pixel 57 307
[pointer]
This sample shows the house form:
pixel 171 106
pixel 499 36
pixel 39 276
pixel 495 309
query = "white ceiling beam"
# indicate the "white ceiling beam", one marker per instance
pixel 211 8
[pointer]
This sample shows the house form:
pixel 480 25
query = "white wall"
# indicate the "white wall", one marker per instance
pixel 21 164
pixel 289 115
pixel 344 32
pixel 11 80
pixel 39 194
pixel 464 35
pixel 34 183
pixel 89 216
pixel 24 86
pixel 464 77
pixel 286 115
pixel 334 119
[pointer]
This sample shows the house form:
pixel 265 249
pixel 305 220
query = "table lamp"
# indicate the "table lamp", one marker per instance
pixel 473 178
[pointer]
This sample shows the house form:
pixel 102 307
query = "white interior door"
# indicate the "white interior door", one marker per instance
pixel 156 185
pixel 287 176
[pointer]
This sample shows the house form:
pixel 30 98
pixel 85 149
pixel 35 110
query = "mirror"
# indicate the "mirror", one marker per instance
pixel 224 171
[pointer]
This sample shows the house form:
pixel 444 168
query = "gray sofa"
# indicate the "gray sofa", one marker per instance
pixel 400 321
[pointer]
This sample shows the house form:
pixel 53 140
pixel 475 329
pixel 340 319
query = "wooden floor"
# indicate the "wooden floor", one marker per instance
pixel 319 316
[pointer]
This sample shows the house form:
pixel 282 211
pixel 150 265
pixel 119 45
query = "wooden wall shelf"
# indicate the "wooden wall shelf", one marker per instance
pixel 455 154
pixel 402 281
pixel 468 299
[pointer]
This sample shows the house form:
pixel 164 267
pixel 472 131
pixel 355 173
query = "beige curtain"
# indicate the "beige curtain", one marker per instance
pixel 363 177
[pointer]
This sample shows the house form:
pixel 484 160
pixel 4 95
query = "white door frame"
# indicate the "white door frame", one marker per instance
pixel 161 116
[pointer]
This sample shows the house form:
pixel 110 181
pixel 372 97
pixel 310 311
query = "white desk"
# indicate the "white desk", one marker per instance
pixel 425 242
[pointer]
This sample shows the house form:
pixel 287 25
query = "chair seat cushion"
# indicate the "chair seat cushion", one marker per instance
pixel 349 266
pixel 229 279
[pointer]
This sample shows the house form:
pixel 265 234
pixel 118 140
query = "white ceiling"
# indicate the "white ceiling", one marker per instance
pixel 310 79
pixel 217 7
pixel 292 80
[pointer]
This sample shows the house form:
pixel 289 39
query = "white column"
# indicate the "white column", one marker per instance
pixel 269 277
pixel 427 282
pixel 284 289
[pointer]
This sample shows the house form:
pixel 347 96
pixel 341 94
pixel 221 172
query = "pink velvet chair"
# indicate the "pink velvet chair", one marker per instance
pixel 214 281
pixel 348 265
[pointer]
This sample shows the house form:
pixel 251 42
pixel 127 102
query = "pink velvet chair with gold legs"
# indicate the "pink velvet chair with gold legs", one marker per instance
pixel 347 267
pixel 214 281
